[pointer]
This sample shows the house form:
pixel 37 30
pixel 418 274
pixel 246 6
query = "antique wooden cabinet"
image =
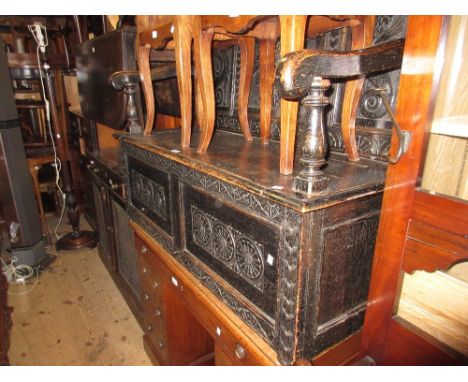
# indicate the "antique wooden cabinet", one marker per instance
pixel 295 270
pixel 115 237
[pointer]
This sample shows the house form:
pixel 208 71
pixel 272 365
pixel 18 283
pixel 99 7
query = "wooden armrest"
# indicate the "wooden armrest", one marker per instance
pixel 296 70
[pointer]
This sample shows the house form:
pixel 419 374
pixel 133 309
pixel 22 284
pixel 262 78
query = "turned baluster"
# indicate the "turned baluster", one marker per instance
pixel 304 74
pixel 314 140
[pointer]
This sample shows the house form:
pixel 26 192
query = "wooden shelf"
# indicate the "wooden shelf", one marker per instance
pixel 456 126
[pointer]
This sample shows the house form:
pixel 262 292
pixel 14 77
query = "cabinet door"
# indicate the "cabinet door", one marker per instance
pixel 419 229
pixel 103 223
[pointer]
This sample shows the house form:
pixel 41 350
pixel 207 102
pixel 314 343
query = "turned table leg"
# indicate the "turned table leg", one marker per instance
pixel 292 38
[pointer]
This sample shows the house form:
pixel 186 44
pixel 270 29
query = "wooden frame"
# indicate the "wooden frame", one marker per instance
pixel 409 213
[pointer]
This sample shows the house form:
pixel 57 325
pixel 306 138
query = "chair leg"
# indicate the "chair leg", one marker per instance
pixel 361 38
pixel 145 74
pixel 183 42
pixel 292 38
pixel 267 79
pixel 202 47
pixel 247 58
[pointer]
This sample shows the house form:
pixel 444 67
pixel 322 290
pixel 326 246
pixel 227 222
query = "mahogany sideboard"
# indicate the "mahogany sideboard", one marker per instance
pixel 226 246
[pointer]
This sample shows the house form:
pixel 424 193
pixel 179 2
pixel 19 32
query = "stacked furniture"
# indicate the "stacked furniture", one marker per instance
pixel 242 265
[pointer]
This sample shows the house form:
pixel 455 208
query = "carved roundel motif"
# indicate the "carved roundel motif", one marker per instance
pixel 201 229
pixel 249 259
pixel 223 242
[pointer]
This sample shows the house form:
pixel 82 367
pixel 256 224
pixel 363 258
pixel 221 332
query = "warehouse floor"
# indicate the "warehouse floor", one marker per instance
pixel 73 314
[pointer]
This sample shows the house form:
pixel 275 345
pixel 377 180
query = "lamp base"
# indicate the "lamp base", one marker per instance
pixel 72 241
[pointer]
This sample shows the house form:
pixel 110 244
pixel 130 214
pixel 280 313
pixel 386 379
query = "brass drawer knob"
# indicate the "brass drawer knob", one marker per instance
pixel 145 270
pixel 146 297
pixel 161 344
pixel 156 284
pixel 144 249
pixel 157 313
pixel 149 328
pixel 240 352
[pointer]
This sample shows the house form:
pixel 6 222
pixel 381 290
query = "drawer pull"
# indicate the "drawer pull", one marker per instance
pixel 240 352
pixel 157 313
pixel 144 249
pixel 146 297
pixel 150 328
pixel 161 344
pixel 174 281
pixel 156 285
pixel 145 270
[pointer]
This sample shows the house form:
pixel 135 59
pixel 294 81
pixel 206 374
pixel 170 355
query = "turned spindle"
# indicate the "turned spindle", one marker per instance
pixel 304 75
pixel 314 144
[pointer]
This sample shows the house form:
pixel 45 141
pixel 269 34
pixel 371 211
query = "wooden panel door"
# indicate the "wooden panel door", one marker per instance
pixel 418 230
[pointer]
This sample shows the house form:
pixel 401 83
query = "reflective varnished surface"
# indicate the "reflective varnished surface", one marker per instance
pixel 254 166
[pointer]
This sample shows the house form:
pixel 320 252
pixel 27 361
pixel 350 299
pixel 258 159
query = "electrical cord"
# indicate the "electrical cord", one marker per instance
pixel 18 274
pixel 44 42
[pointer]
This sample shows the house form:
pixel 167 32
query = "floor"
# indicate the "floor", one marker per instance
pixel 73 314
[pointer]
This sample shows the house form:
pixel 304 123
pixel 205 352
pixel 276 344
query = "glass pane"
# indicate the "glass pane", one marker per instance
pixel 446 165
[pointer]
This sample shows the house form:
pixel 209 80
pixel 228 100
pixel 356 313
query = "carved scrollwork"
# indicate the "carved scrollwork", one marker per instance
pixel 288 287
pixel 389 27
pixel 371 105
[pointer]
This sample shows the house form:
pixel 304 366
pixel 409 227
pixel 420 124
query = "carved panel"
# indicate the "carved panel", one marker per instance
pixel 150 193
pixel 236 250
pixel 222 190
pixel 373 125
pixel 234 244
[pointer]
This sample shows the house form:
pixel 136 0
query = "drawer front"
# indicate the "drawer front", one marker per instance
pixel 152 300
pixel 149 190
pixel 240 248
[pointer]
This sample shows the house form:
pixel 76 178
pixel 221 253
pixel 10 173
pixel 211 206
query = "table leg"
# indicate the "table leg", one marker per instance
pixel 267 79
pixel 145 74
pixel 183 42
pixel 292 38
pixel 247 58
